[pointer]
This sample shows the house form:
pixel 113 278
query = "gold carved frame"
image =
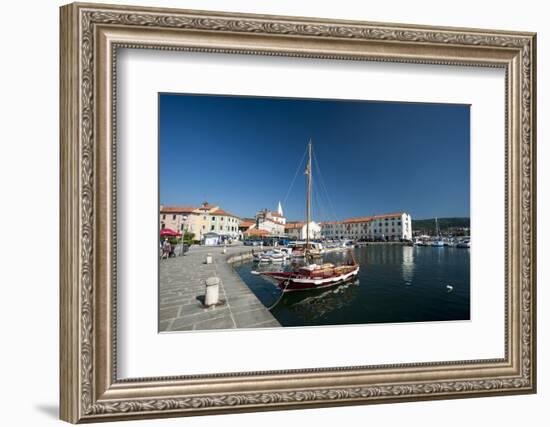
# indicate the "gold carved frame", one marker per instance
pixel 90 36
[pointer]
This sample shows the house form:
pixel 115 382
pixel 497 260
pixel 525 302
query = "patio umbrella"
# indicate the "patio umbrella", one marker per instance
pixel 168 232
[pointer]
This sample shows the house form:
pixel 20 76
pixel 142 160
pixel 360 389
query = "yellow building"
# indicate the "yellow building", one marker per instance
pixel 205 219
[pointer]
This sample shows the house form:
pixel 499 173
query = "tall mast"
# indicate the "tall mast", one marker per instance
pixel 308 203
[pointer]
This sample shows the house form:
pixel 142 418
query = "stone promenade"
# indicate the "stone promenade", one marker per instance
pixel 182 288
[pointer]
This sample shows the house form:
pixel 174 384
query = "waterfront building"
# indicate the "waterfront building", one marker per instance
pixel 224 223
pixel 298 230
pixel 177 218
pixel 245 224
pixel 205 219
pixel 265 224
pixel 393 227
pixel 333 230
pixel 272 222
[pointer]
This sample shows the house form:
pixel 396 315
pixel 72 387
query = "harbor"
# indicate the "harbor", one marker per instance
pixel 396 283
pixel 360 270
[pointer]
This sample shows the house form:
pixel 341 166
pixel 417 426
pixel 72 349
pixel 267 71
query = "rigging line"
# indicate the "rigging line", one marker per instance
pixel 322 180
pixel 330 207
pixel 331 211
pixel 319 208
pixel 323 204
pixel 294 179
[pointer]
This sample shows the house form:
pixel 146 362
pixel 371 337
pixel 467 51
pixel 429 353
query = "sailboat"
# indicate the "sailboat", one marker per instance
pixel 438 242
pixel 312 275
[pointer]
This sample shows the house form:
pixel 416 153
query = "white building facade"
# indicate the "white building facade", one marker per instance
pixel 298 230
pixel 272 222
pixel 391 227
pixel 224 223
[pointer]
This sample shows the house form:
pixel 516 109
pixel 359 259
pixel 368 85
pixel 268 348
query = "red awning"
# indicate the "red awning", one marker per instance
pixel 169 232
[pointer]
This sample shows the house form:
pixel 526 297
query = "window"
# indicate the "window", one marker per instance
pixel 221 219
pixel 212 227
pixel 162 225
pixel 213 218
pixel 164 216
pixel 174 216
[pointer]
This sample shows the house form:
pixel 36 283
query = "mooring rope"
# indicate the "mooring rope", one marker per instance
pixel 280 296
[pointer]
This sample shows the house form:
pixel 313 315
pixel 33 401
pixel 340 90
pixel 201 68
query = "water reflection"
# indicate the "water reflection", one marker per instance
pixel 407 265
pixel 313 305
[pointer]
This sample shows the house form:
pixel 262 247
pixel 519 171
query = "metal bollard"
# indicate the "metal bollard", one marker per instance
pixel 209 258
pixel 212 293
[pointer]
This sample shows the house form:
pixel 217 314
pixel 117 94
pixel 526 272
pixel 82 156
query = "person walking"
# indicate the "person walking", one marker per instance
pixel 166 248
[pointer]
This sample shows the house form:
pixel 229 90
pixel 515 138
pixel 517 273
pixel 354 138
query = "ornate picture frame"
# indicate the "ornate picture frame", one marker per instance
pixel 90 37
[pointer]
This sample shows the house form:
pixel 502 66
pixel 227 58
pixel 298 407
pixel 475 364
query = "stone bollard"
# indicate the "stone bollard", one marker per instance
pixel 208 258
pixel 224 251
pixel 212 293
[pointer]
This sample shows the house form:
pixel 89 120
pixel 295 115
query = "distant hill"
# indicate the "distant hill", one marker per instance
pixel 427 226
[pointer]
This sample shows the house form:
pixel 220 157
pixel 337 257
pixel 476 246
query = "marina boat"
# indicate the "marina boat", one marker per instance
pixel 419 242
pixel 311 275
pixel 438 242
pixel 275 256
pixel 463 244
pixel 315 250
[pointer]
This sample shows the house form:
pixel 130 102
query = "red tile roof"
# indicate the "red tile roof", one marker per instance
pixel 222 212
pixel 177 209
pixel 292 225
pixel 246 223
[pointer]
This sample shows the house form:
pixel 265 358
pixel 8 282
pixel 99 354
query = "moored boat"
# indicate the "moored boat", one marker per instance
pixel 312 275
pixel 465 244
pixel 275 255
pixel 438 242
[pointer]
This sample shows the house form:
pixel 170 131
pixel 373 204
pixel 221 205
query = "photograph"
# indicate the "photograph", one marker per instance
pixel 277 209
pixel 298 212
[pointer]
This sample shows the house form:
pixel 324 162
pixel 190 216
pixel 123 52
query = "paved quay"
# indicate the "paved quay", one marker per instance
pixel 182 289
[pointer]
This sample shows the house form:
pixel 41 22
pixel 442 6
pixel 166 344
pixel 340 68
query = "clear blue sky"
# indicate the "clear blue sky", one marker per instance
pixel 375 157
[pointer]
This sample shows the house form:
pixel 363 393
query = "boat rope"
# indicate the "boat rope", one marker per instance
pixel 280 296
pixel 294 179
pixel 324 188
